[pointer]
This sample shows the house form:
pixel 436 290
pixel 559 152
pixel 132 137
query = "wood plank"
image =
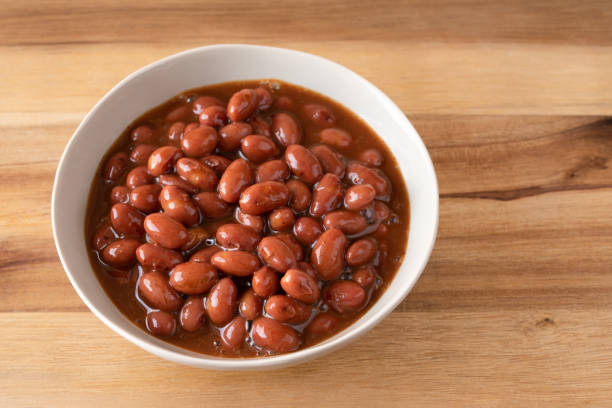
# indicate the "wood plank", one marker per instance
pixel 444 358
pixel 422 78
pixel 115 21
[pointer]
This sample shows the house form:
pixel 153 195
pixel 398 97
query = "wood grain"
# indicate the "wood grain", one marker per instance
pixel 512 100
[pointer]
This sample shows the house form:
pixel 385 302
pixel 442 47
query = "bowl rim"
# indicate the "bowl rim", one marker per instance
pixel 276 361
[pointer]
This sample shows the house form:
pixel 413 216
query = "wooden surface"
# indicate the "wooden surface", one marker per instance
pixel 513 101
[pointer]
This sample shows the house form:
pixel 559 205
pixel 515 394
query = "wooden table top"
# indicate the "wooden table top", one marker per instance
pixel 513 101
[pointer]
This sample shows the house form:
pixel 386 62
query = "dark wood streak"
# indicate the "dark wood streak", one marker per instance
pixel 508 195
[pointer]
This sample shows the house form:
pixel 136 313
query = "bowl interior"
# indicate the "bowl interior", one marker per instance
pixel 160 81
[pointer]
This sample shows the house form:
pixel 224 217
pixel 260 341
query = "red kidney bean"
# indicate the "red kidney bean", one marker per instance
pixel 327 255
pixel 236 236
pixel 338 138
pixel 212 206
pixel 307 230
pixel 138 176
pixel 103 236
pixel 157 257
pixel 141 153
pixel 193 278
pixel 373 157
pixel 242 104
pixel 327 195
pixel 381 211
pixel 236 178
pixel 126 219
pixel 163 159
pixel 283 103
pixel 177 204
pixel 357 173
pixel 286 310
pixel 281 219
pixel 265 282
pixel 218 163
pixel 359 197
pixel 264 98
pixel 231 135
pixel 172 180
pixel 361 252
pixel 204 102
pixel 272 335
pixel 120 194
pixel 234 334
pixel 365 276
pixel 155 288
pixel 381 231
pixel 250 305
pixel 383 252
pixel 221 302
pixel 258 148
pixel 301 286
pixel 286 129
pixel 146 198
pixel 196 235
pixel 193 314
pixel 293 245
pixel 344 296
pixel 191 126
pixel 322 325
pixel 254 222
pixel 121 253
pixel 213 116
pixel 237 263
pixel 142 134
pixel 198 174
pixel 161 323
pixel 115 166
pixel 182 112
pixel 273 170
pixel 299 195
pixel 200 141
pixel 320 114
pixel 349 222
pixel 260 126
pixel 331 162
pixel 308 268
pixel 303 163
pixel 276 254
pixel 204 254
pixel 263 197
pixel 176 131
pixel 165 230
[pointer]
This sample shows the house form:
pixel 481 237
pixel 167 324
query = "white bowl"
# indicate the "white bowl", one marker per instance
pixel 154 84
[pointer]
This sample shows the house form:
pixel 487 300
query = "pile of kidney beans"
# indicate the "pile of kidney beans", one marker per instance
pixel 304 227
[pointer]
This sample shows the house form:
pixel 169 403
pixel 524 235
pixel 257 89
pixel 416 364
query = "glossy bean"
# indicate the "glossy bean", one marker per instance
pixel 197 173
pixel 299 195
pixel 293 245
pixel 276 254
pixel 281 219
pixel 213 116
pixel 361 252
pixel 265 282
pixel 300 285
pixel 218 163
pixel 236 236
pixel 211 205
pixel 323 324
pixel 344 296
pixel 177 204
pixel 286 129
pixel 141 153
pixel 327 195
pixel 127 220
pixel 372 157
pixel 200 141
pixel 242 104
pixel 221 302
pixel 236 178
pixel 204 254
pixel 250 305
pixel 115 166
pixel 231 135
pixel 163 159
pixel 254 222
pixel 176 131
pixel 203 102
pixel 237 263
pixel 263 197
pixel 359 197
pixel 103 236
pixel 165 230
pixel 273 170
pixel 327 254
pixel 349 222
pixel 307 230
pixel 146 198
pixel 121 253
pixel 331 162
pixel 173 180
pixel 142 134
pixel 156 290
pixel 260 126
pixel 120 194
pixel 196 236
pixel 138 176
pixel 357 173
pixel 193 314
pixel 258 148
pixel 338 138
pixel 365 276
pixel 234 334
pixel 264 98
pixel 287 310
pixel 274 336
pixel 157 257
pixel 161 323
pixel 182 112
pixel 193 278
pixel 319 114
pixel 303 163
